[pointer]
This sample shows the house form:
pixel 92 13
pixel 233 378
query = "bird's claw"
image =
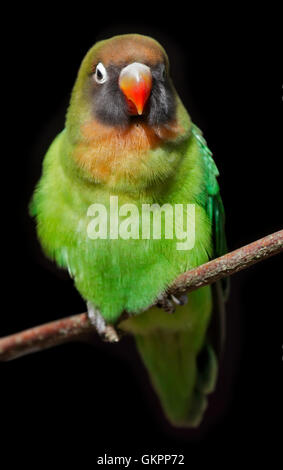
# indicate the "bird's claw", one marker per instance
pixel 180 300
pixel 106 332
pixel 164 301
pixel 168 302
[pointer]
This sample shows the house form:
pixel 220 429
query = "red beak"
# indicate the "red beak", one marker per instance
pixel 135 81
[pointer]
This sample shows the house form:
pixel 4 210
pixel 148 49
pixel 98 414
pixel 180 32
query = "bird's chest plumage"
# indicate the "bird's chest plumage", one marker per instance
pixel 118 156
pixel 127 259
pixel 127 251
pixel 127 270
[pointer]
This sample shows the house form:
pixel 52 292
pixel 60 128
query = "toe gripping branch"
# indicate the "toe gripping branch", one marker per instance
pixel 111 334
pixel 168 302
pixel 106 331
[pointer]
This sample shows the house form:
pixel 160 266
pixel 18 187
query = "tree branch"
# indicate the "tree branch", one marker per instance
pixel 77 327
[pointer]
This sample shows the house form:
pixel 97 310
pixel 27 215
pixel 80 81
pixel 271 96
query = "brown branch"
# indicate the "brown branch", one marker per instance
pixel 78 327
pixel 229 264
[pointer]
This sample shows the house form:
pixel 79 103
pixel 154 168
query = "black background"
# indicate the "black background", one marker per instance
pixel 83 400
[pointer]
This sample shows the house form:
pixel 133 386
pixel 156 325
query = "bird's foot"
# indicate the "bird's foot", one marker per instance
pixel 180 299
pixel 106 332
pixel 168 302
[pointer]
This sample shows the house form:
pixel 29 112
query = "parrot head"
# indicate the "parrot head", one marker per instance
pixel 123 106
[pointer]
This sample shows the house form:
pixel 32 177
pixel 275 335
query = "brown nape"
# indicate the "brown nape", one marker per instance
pixel 106 151
pixel 131 48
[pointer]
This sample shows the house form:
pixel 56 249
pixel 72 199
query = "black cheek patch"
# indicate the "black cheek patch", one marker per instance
pixel 110 107
pixel 162 104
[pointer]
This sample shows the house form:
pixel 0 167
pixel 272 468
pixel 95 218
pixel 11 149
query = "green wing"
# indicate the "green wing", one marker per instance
pixel 215 210
pixel 214 205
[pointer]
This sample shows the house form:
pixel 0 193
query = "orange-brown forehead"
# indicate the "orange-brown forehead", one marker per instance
pixel 128 50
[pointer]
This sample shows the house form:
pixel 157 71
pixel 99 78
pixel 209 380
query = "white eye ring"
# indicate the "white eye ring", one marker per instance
pixel 100 75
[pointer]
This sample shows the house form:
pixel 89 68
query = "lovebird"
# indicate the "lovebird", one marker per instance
pixel 128 200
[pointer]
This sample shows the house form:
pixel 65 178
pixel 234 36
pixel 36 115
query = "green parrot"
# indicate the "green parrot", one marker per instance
pixel 127 201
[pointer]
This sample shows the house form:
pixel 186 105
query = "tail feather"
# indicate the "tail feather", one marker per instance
pixel 178 353
pixel 179 381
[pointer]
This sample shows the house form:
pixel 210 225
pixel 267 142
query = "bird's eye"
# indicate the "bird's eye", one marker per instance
pixel 100 75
